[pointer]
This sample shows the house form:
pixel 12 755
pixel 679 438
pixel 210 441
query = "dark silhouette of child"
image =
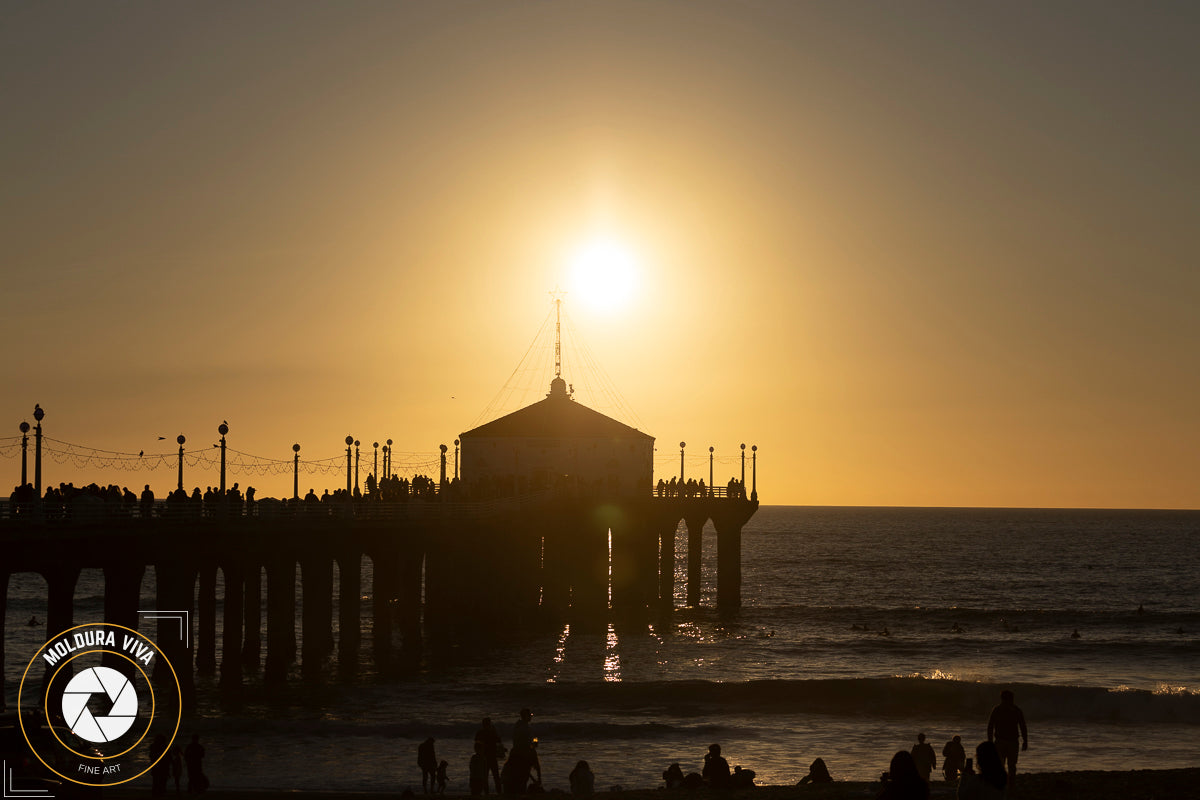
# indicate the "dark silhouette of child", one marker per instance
pixel 673 776
pixel 441 776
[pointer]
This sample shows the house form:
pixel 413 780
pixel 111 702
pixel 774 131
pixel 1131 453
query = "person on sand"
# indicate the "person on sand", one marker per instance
pixel 902 781
pixel 583 782
pixel 716 768
pixel 953 757
pixel 523 756
pixel 427 761
pixel 991 781
pixel 477 772
pixel 492 750
pixel 741 778
pixel 673 776
pixel 1004 724
pixel 922 753
pixel 817 773
pixel 443 766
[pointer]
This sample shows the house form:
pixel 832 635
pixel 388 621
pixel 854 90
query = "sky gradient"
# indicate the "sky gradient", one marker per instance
pixel 919 253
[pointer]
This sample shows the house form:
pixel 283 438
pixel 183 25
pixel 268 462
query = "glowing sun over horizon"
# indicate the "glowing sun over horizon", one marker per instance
pixel 603 274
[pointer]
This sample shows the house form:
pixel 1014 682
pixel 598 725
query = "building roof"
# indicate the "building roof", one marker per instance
pixel 557 417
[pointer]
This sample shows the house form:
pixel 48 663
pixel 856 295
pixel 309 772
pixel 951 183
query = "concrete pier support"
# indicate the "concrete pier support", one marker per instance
pixel 666 564
pixel 231 635
pixel 349 611
pixel 174 592
pixel 206 621
pixel 60 614
pixel 695 529
pixel 408 596
pixel 122 591
pixel 252 618
pixel 383 591
pixel 316 582
pixel 281 619
pixel 728 519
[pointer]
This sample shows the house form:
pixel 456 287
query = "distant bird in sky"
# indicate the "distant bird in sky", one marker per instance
pixel 161 438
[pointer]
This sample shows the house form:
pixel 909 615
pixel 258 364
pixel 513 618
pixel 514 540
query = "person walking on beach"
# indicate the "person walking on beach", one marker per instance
pixel 1004 725
pixel 427 761
pixel 953 758
pixel 922 753
pixel 523 757
pixel 492 750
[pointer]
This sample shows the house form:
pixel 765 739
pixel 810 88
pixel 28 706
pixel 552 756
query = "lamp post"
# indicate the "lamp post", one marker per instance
pixel 181 439
pixel 222 429
pixel 389 467
pixel 681 446
pixel 710 474
pixel 296 472
pixel 356 444
pixel 754 473
pixel 442 475
pixel 37 450
pixel 743 464
pixel 456 459
pixel 349 453
pixel 375 471
pixel 24 452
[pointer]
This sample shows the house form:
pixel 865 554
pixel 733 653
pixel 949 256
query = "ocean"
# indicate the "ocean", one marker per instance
pixel 860 627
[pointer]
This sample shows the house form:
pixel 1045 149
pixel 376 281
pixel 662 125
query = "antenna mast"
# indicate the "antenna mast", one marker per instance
pixel 557 295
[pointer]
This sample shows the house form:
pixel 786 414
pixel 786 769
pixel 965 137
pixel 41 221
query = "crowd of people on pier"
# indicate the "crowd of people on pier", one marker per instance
pixel 690 488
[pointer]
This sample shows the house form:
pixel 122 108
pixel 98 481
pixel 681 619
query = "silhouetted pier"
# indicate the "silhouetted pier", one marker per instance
pixel 439 566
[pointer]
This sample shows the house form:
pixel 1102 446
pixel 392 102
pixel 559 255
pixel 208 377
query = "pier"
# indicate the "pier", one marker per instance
pixel 440 567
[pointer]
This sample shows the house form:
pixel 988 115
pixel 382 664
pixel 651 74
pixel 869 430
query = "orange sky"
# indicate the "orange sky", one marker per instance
pixel 919 253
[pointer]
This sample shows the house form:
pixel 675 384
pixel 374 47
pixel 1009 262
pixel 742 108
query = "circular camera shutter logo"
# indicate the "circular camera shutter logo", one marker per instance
pixel 103 681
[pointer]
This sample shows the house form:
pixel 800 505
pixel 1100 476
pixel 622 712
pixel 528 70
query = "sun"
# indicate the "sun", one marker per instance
pixel 603 275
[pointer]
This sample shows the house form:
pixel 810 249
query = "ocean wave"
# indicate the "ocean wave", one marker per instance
pixel 889 697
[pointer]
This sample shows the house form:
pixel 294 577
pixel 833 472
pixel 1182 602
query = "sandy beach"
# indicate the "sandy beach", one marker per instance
pixel 1176 784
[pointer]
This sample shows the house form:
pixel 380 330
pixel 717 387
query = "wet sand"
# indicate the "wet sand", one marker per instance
pixel 1177 784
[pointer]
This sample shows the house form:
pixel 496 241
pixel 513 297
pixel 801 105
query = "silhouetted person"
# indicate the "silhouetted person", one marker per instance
pixel 922 753
pixel 33 622
pixel 162 766
pixel 523 748
pixel 193 758
pixel 147 503
pixel 817 773
pixel 441 776
pixel 741 778
pixel 953 757
pixel 176 766
pixel 427 761
pixel 493 751
pixel 477 771
pixel 902 781
pixel 583 782
pixel 991 781
pixel 1004 725
pixel 716 768
pixel 673 776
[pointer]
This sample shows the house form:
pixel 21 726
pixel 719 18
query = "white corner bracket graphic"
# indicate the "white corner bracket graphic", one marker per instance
pixel 12 791
pixel 185 622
